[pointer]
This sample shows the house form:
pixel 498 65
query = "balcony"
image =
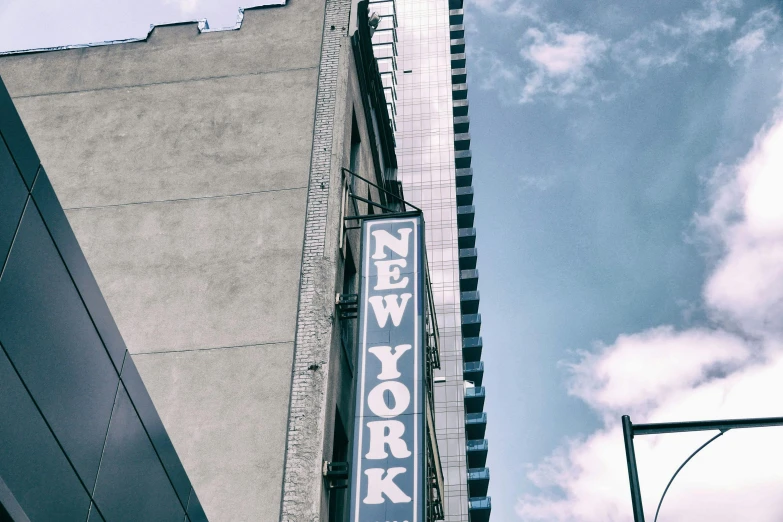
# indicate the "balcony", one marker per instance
pixel 471 325
pixel 459 76
pixel 477 453
pixel 480 508
pixel 475 425
pixel 474 399
pixel 462 141
pixel 468 258
pixel 462 159
pixel 466 237
pixel 473 372
pixel 471 349
pixel 478 482
pixel 461 124
pixel 469 302
pixel 457 59
pixel 455 16
pixel 465 216
pixel 465 196
pixel 464 177
pixel 457 31
pixel 460 107
pixel 459 91
pixel 468 280
pixel 457 46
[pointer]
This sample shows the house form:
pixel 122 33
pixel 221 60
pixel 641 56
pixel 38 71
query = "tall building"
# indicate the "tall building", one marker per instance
pixel 420 45
pixel 216 182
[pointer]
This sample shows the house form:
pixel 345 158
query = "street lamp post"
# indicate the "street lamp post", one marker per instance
pixel 630 430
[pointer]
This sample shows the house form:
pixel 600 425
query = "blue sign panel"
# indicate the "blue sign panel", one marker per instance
pixel 388 462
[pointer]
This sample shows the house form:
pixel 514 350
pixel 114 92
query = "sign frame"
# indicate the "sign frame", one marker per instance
pixel 389 468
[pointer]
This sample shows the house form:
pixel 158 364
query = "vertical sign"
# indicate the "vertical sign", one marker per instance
pixel 387 480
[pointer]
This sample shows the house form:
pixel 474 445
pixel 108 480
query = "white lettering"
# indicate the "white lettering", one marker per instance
pixel 385 239
pixel 378 485
pixel 376 402
pixel 393 308
pixel 385 275
pixel 380 437
pixel 388 359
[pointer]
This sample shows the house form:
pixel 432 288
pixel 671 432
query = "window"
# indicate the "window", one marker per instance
pixel 338 501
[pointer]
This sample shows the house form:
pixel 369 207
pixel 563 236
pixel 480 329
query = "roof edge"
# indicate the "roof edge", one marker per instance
pixel 203 27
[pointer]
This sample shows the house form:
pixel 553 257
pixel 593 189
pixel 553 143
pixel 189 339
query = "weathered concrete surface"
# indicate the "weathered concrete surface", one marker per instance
pixel 229 407
pixel 182 140
pixel 199 273
pixel 184 164
pixel 272 39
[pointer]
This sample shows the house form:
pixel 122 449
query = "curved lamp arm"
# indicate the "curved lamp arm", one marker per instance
pixel 680 468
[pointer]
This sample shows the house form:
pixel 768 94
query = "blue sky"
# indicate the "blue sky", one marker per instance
pixel 629 193
pixel 605 139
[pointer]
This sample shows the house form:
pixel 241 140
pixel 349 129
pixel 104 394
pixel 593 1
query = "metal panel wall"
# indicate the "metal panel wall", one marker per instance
pixel 80 437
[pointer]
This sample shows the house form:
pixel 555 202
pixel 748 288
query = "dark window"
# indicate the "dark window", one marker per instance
pixel 338 501
pixel 356 146
pixel 348 326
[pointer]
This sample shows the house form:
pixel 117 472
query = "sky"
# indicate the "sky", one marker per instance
pixel 628 167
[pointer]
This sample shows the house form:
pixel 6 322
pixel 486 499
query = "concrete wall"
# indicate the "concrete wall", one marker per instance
pixel 182 163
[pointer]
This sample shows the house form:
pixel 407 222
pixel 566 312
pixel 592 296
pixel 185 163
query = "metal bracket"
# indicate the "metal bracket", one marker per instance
pixel 336 474
pixel 347 305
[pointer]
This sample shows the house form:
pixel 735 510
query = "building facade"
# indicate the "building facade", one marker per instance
pixel 213 179
pixel 422 43
pixel 80 437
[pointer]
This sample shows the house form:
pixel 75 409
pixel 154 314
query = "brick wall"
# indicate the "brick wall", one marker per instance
pixel 302 483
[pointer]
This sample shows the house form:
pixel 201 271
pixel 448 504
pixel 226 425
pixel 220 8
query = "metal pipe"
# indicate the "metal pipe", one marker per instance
pixel 723 425
pixel 660 502
pixel 369 202
pixel 395 196
pixel 633 476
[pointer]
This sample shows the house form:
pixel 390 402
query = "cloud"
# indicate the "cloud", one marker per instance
pixel 712 17
pixel 746 219
pixel 658 45
pixel 637 370
pixel 730 369
pixel 518 9
pixel 754 34
pixel 537 183
pixel 561 60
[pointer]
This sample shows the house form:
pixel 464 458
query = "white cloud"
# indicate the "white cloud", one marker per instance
pixel 730 370
pixel 747 218
pixel 561 60
pixel 518 9
pixel 658 45
pixel 747 45
pixel 712 17
pixel 560 53
pixel 537 183
pixel 754 34
pixel 561 63
pixel 637 370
